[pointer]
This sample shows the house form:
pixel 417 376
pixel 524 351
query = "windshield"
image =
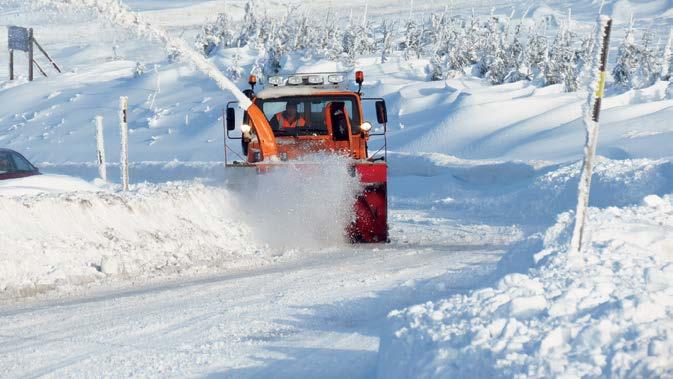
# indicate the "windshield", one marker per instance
pixel 12 162
pixel 306 115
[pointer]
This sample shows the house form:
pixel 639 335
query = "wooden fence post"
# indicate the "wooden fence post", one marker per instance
pixel 100 148
pixel 124 130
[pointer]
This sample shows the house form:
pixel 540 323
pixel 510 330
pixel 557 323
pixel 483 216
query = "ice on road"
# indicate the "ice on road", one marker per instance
pixel 320 317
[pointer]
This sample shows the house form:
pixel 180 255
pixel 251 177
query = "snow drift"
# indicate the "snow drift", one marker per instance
pixel 64 239
pixel 604 312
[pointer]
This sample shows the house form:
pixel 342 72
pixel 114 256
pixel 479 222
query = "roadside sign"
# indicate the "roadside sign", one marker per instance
pixel 19 38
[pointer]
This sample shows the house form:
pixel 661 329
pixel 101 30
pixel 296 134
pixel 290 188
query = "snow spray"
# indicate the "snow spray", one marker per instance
pixel 304 204
pixel 119 14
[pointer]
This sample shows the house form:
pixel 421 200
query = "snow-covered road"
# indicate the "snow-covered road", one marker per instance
pixel 320 317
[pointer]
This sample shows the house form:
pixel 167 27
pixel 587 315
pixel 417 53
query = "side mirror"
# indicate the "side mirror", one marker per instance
pixel 231 119
pixel 381 112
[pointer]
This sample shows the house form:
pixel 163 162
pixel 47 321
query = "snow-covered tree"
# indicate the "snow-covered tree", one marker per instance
pixel 235 71
pixel 449 58
pixel 492 62
pixel 333 40
pixel 139 70
pixel 258 70
pixel 648 69
pixel 274 56
pixel 515 58
pixel 250 28
pixel 583 58
pixel 385 44
pixel 470 40
pixel 561 67
pixel 669 89
pixel 216 34
pixel 627 60
pixel 349 42
pixel 206 41
pixel 411 46
pixel 537 51
pixel 667 59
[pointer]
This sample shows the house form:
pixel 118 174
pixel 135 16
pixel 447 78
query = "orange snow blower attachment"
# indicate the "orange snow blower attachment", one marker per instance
pixel 303 114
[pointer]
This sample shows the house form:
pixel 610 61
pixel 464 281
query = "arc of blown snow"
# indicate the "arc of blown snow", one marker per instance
pixel 119 14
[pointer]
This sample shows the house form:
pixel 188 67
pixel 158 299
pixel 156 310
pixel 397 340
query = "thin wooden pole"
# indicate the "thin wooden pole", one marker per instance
pixel 48 57
pixel 100 148
pixel 40 68
pixel 11 64
pixel 30 54
pixel 592 127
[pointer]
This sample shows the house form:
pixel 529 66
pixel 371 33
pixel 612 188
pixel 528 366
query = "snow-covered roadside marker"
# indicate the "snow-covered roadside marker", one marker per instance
pixel 100 148
pixel 591 112
pixel 124 131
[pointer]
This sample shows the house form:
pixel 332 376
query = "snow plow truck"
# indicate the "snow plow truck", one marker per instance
pixel 299 115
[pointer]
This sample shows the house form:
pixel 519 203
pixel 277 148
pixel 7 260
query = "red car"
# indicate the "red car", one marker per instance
pixel 13 165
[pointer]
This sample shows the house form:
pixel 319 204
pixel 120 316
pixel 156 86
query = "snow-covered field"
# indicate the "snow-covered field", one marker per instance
pixel 185 275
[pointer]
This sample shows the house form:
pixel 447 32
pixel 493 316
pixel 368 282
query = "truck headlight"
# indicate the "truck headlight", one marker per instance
pixel 276 80
pixel 366 127
pixel 245 128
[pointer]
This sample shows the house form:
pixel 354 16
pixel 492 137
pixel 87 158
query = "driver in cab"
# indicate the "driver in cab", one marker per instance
pixel 288 119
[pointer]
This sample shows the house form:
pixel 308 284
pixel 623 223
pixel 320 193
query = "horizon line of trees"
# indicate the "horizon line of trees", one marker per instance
pixel 491 47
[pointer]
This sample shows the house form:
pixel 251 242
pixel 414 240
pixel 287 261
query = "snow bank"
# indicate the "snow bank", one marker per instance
pixel 54 238
pixel 64 239
pixel 604 312
pixel 44 184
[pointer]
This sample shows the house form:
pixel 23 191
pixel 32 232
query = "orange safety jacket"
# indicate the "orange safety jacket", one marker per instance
pixel 284 123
